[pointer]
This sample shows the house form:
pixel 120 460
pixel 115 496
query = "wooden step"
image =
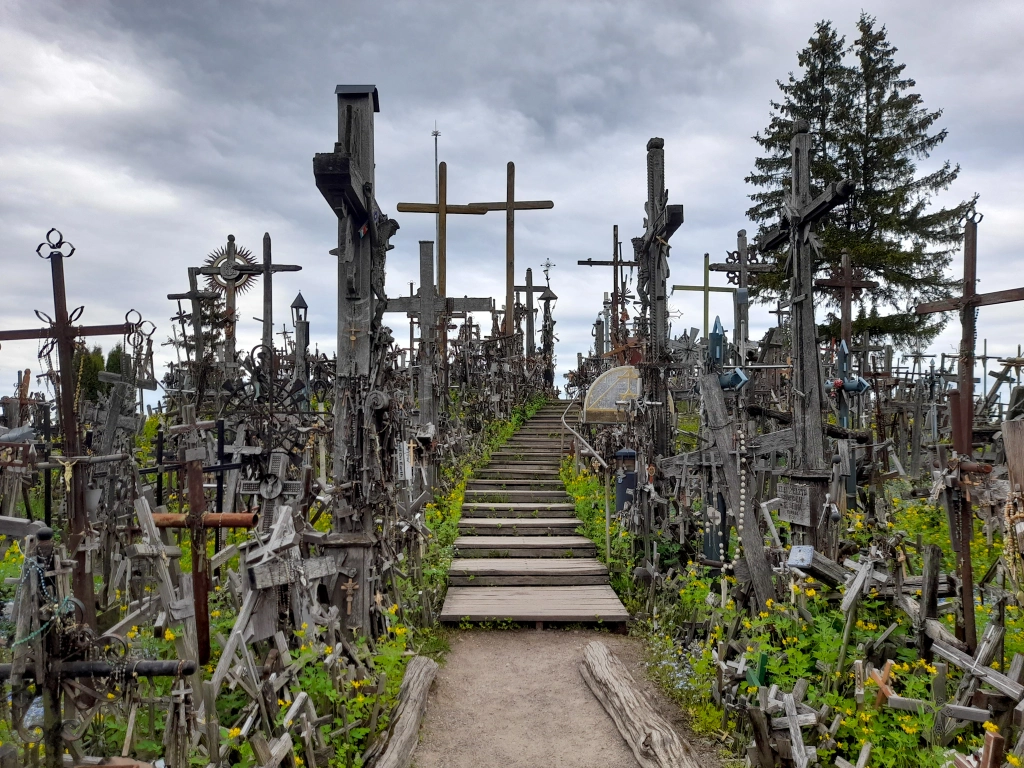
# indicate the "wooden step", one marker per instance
pixel 527 512
pixel 516 473
pixel 500 495
pixel 524 546
pixel 519 506
pixel 526 571
pixel 570 604
pixel 518 526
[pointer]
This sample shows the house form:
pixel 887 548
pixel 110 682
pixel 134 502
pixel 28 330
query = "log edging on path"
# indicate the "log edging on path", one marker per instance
pixel 651 738
pixel 412 704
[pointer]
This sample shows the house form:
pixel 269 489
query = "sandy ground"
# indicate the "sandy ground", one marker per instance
pixel 516 698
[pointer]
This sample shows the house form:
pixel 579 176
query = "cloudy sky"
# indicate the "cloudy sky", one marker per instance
pixel 149 131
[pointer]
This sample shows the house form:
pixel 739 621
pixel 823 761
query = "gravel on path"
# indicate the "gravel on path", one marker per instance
pixel 516 698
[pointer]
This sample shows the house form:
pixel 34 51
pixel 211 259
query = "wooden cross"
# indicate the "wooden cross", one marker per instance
pixel 427 307
pixel 269 268
pixel 441 208
pixel 194 295
pixel 846 282
pixel 962 411
pixel 63 334
pixel 801 213
pixel 530 289
pixel 707 289
pixel 510 206
pixel 616 264
pixel 738 269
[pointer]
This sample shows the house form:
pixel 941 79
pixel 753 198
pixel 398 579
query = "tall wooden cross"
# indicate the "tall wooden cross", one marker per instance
pixel 707 289
pixel 962 411
pixel 616 264
pixel 441 209
pixel 63 334
pixel 809 473
pixel 529 289
pixel 510 206
pixel 427 306
pixel 194 295
pixel 269 268
pixel 846 282
pixel 739 268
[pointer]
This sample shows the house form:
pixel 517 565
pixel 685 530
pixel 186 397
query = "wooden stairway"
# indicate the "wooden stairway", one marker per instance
pixel 518 556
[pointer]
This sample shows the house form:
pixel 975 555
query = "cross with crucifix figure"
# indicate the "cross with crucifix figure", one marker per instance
pixel 846 282
pixel 62 334
pixel 510 206
pixel 961 401
pixel 707 289
pixel 801 214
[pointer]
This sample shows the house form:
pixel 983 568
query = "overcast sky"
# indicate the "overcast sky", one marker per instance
pixel 149 131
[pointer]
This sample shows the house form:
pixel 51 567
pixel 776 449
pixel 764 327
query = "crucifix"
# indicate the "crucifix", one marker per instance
pixel 268 270
pixel 808 474
pixel 510 206
pixel 441 209
pixel 845 281
pixel 707 289
pixel 62 334
pixel 962 404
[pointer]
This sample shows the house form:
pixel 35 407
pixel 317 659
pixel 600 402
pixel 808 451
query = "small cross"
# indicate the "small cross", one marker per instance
pixel 350 588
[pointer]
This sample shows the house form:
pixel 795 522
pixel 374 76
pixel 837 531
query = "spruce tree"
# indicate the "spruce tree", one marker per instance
pixel 872 129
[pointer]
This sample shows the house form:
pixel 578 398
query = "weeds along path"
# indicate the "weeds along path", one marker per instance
pixel 505 699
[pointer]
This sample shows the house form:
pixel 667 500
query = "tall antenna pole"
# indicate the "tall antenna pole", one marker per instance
pixel 437 200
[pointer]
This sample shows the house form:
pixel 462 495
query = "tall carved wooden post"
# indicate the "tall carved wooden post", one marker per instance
pixel 652 253
pixel 809 476
pixel 345 177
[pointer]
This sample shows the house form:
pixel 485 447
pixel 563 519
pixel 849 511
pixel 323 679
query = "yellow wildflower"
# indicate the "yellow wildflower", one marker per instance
pixel 990 726
pixel 215 614
pixel 810 592
pixel 168 635
pixel 111 696
pixel 234 733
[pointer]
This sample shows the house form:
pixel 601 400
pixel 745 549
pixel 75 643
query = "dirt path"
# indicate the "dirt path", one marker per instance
pixel 506 699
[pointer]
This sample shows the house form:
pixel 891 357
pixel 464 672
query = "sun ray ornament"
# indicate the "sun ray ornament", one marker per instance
pixel 219 260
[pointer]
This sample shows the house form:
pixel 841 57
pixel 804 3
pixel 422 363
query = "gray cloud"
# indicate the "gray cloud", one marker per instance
pixel 149 131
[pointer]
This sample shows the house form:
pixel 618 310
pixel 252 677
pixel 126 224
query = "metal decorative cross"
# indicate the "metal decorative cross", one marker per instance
pixel 62 333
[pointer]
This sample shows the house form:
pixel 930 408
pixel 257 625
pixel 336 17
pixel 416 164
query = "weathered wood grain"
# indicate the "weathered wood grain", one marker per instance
pixel 412 703
pixel 648 734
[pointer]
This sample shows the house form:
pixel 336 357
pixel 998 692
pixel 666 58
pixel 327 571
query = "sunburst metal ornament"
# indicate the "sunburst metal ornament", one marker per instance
pixel 218 258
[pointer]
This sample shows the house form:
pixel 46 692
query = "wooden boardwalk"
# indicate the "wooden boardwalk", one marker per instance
pixel 518 556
